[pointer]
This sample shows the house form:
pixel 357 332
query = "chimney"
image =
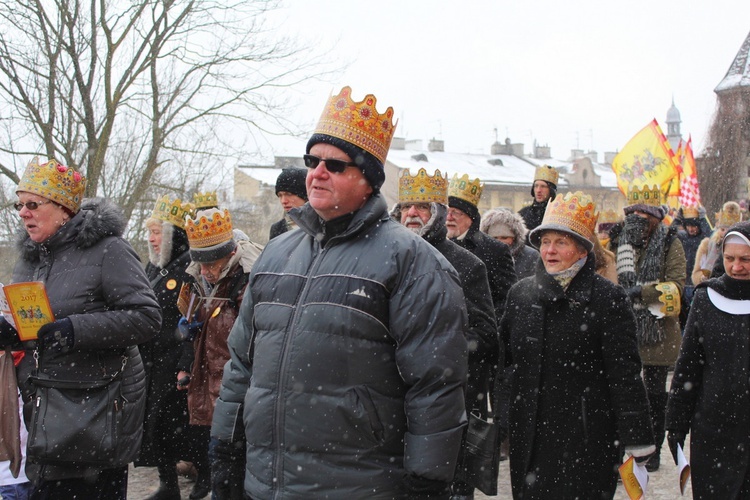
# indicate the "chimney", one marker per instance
pixel 435 145
pixel 398 143
pixel 497 148
pixel 609 157
pixel 593 156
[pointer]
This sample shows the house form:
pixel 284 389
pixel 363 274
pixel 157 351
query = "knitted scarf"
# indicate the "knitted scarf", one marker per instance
pixel 565 277
pixel 649 329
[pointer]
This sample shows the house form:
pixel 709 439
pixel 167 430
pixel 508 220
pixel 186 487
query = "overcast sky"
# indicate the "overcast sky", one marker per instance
pixel 578 74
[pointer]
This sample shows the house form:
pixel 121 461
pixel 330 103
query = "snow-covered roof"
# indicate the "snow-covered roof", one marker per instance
pixel 512 171
pixel 739 72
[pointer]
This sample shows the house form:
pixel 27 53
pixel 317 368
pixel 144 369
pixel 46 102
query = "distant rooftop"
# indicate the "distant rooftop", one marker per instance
pixel 739 72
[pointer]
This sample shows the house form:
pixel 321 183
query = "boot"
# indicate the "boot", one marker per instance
pixel 658 405
pixel 202 486
pixel 168 487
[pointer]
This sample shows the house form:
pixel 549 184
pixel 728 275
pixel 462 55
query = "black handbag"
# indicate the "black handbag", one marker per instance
pixel 479 461
pixel 83 422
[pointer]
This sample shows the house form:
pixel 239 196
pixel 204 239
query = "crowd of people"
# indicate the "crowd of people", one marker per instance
pixel 357 354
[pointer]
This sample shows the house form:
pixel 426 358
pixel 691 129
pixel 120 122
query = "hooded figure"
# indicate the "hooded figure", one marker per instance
pixel 509 228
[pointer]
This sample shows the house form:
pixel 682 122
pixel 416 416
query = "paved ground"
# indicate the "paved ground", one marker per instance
pixel 663 484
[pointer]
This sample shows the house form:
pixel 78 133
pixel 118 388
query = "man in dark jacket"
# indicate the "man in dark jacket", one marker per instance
pixel 543 190
pixel 292 193
pixel 463 221
pixel 166 407
pixel 421 207
pixel 691 238
pixel 348 354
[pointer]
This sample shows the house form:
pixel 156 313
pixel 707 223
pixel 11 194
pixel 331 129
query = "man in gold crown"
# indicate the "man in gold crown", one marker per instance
pixel 164 439
pixel 543 190
pixel 422 208
pixel 348 359
pixel 651 268
pixel 463 222
pixel 577 394
pixel 220 268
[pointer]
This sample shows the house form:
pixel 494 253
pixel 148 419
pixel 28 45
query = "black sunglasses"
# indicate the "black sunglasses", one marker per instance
pixel 31 205
pixel 332 165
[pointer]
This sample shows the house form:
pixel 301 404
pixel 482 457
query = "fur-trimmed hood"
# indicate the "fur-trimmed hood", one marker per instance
pixel 502 216
pixel 97 219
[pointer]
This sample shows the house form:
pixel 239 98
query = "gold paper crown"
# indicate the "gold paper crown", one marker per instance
pixel 358 123
pixel 690 212
pixel 175 212
pixel 209 228
pixel 462 187
pixel 422 188
pixel 670 302
pixel 644 195
pixel 546 173
pixel 205 200
pixel 55 182
pixel 576 211
pixel 610 217
pixel 729 215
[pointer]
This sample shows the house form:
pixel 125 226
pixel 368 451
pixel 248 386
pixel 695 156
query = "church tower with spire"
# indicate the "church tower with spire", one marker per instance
pixel 673 126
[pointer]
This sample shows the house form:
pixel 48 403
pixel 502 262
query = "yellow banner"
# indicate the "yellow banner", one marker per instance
pixel 646 159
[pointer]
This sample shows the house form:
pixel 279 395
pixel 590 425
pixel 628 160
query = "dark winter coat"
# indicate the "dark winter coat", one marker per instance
pixel 533 214
pixel 577 390
pixel 94 278
pixel 525 261
pixel 218 312
pixel 710 393
pixel 501 273
pixel 166 406
pixel 278 227
pixel 690 245
pixel 358 362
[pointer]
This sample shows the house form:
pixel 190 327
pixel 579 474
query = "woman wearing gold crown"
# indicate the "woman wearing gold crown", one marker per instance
pixel 103 307
pixel 577 390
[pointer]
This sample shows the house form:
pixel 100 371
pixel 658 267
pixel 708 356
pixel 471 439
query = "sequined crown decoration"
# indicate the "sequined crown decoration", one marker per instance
pixel 690 212
pixel 547 173
pixel 55 182
pixel 201 201
pixel 462 187
pixel 610 217
pixel 175 212
pixel 729 215
pixel 644 195
pixel 423 187
pixel 210 227
pixel 358 123
pixel 576 211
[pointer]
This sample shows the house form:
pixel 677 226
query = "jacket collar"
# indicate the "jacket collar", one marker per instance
pixel 580 288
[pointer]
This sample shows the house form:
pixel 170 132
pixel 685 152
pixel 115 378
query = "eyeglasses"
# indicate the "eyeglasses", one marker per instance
pixel 332 164
pixel 31 205
pixel 455 213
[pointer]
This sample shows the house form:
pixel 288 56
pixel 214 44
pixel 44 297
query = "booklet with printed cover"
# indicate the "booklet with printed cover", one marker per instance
pixel 26 306
pixel 634 479
pixel 188 301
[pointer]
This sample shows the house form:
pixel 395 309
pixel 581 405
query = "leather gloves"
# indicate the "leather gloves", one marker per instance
pixel 8 334
pixel 188 330
pixel 673 439
pixel 57 335
pixel 634 292
pixel 227 468
pixel 421 488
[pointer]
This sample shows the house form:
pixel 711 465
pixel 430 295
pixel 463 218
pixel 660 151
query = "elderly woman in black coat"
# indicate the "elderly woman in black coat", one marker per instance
pixel 577 393
pixel 710 393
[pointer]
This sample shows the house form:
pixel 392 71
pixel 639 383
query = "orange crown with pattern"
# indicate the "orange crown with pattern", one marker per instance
pixel 465 189
pixel 573 213
pixel 201 201
pixel 358 123
pixel 53 181
pixel 208 228
pixel 690 212
pixel 423 187
pixel 610 217
pixel 175 212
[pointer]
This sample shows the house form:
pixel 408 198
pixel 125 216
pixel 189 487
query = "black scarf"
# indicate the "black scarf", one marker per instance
pixel 729 287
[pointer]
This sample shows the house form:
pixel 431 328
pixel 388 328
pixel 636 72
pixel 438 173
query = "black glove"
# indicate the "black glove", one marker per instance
pixel 8 334
pixel 421 488
pixel 227 468
pixel 188 330
pixel 57 335
pixel 673 439
pixel 634 292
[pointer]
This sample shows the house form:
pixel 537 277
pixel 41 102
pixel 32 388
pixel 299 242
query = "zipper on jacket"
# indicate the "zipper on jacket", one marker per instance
pixel 278 468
